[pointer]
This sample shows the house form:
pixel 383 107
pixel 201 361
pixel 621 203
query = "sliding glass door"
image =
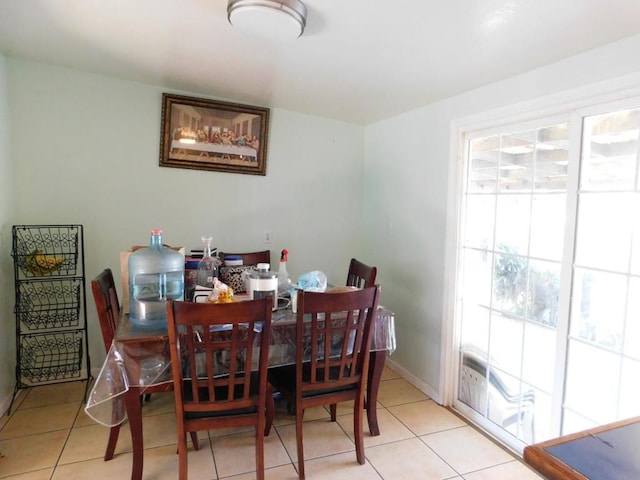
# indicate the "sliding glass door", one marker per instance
pixel 604 337
pixel 548 278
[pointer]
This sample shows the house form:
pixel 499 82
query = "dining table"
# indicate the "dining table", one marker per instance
pixel 605 452
pixel 140 358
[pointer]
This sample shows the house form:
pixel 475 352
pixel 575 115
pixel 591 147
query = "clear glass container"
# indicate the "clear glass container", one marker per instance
pixel 207 266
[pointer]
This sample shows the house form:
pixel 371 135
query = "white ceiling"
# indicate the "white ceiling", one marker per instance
pixel 358 60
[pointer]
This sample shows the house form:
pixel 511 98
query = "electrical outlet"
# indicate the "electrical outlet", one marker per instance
pixel 268 236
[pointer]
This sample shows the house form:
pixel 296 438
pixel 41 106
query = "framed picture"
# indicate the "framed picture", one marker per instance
pixel 203 134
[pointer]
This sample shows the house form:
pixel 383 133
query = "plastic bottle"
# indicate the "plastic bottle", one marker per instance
pixel 262 282
pixel 283 276
pixel 156 273
pixel 207 266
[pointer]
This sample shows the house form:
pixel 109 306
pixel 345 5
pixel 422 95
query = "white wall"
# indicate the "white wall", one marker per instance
pixel 85 150
pixel 7 337
pixel 407 186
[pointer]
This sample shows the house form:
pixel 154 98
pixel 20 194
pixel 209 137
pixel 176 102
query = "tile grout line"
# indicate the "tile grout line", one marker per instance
pixel 381 408
pixel 457 473
pixel 55 466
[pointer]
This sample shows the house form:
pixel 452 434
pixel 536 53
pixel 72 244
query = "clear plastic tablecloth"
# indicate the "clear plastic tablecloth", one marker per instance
pixel 141 358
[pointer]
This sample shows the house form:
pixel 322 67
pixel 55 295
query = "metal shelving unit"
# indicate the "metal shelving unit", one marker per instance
pixel 50 305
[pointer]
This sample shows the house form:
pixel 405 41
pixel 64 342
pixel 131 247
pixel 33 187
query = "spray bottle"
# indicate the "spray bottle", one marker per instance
pixel 283 276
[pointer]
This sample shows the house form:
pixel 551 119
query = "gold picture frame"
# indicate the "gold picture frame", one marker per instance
pixel 202 134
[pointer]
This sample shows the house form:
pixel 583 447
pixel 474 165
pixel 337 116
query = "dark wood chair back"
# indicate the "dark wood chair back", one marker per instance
pixel 361 275
pixel 105 296
pixel 333 341
pixel 212 351
pixel 252 258
pixel 346 319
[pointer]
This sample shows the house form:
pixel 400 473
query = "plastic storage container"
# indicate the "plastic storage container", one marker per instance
pixel 156 273
pixel 232 261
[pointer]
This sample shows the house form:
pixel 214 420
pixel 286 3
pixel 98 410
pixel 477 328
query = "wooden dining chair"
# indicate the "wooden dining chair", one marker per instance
pixel 105 296
pixel 333 340
pixel 251 258
pixel 212 350
pixel 234 276
pixel 361 275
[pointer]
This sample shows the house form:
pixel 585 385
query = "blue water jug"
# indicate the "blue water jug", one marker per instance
pixel 156 274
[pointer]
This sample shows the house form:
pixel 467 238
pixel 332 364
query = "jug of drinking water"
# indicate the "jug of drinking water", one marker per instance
pixel 156 274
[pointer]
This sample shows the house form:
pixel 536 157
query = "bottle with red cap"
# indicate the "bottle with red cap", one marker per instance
pixel 283 276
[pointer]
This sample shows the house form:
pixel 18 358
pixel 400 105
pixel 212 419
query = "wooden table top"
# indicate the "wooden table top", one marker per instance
pixel 608 452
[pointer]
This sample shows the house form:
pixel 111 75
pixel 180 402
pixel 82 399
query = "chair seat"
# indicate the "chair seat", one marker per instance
pixel 225 413
pixel 284 378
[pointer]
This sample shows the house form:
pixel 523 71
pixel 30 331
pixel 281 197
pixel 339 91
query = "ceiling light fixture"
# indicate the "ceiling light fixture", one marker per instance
pixel 271 19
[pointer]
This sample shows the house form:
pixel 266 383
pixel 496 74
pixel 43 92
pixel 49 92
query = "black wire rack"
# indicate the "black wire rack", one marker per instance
pixel 46 250
pixel 50 357
pixel 46 304
pixel 50 305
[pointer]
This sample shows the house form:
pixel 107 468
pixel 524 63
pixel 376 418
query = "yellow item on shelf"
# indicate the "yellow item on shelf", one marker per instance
pixel 39 263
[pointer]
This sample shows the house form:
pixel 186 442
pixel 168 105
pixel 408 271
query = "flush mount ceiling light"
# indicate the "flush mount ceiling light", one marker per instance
pixel 272 19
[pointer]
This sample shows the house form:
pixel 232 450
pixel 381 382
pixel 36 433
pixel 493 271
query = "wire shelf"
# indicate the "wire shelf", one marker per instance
pixel 51 356
pixel 46 250
pixel 44 304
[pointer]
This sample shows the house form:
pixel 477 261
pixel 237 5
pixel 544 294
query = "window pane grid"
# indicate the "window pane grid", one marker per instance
pixel 604 345
pixel 551 232
pixel 516 187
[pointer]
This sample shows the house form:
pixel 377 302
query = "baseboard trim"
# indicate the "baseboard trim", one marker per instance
pixel 6 401
pixel 421 385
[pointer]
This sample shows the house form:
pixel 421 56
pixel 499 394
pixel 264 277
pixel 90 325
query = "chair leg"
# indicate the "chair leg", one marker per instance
pixel 333 408
pixel 299 443
pixel 270 411
pixel 194 440
pixel 182 456
pixel 260 433
pixel 111 443
pixel 358 431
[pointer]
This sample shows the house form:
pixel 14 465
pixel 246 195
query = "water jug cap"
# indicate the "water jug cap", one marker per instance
pixel 156 231
pixel 263 266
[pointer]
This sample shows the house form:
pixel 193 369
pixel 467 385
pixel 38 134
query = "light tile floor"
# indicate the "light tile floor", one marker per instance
pixel 49 437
